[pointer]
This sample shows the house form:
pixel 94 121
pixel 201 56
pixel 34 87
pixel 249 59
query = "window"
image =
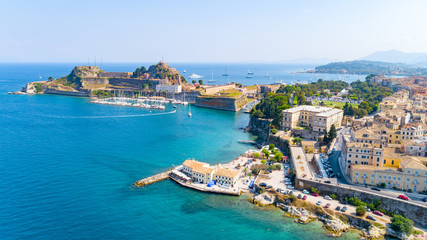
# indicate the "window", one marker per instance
pixel 384 161
pixel 392 162
pixel 378 159
pixel 357 156
pixel 357 174
pixel 379 176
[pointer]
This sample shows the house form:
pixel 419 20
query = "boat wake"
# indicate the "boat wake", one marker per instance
pixel 117 116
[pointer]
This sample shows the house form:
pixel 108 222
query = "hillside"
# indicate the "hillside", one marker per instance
pixel 396 56
pixel 86 78
pixel 370 67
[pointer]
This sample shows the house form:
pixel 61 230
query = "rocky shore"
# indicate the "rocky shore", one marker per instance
pixel 334 223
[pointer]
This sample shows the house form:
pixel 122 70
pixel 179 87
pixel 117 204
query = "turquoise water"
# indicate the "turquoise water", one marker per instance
pixel 67 168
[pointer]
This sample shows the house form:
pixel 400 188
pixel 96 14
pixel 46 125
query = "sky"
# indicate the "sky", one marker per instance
pixel 208 31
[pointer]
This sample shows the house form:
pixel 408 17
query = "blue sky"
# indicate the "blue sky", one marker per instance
pixel 207 31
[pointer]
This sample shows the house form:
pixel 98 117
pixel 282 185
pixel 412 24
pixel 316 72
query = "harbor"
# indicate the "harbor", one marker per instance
pixel 140 102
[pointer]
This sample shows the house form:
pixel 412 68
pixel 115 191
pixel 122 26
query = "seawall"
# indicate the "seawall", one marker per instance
pixel 222 103
pixel 82 93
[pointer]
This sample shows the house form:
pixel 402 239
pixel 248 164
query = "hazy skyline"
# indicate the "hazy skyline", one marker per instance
pixel 207 31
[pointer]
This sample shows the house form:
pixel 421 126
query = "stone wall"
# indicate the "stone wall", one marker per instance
pixel 82 93
pixel 414 211
pixel 228 104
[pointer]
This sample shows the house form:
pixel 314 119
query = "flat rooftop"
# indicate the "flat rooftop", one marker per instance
pixel 321 111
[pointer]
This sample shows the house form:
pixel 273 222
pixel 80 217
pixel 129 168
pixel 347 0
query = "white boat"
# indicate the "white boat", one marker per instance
pixel 267 75
pixel 225 73
pixel 189 112
pixel 250 73
pixel 184 71
pixel 195 76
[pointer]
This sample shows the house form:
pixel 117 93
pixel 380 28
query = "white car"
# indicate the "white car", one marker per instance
pixel 328 198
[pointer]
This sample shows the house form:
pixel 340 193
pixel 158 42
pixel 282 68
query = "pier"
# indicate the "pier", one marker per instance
pixel 155 178
pixel 247 142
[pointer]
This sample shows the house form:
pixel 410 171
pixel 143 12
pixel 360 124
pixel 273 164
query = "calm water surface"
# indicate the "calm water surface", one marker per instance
pixel 67 167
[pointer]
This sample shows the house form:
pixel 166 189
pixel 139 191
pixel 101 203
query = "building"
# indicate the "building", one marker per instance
pixel 168 88
pixel 204 173
pixel 416 147
pixel 319 119
pixel 308 146
pixel 412 131
pixel 410 174
pixel 226 176
pixel 386 105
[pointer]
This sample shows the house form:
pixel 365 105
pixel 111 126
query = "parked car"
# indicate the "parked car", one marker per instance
pixel 305 197
pixel 376 189
pixel 343 209
pixel 263 184
pixel 403 197
pixel 318 203
pixel 299 196
pixel 338 208
pixel 371 218
pixel 268 187
pixel 305 191
pixel 424 199
pixel 327 181
pixel 378 213
pixel 367 209
pixel 290 192
pixel 315 194
pixel 290 186
pixel 332 175
pixel 328 198
pixel 279 190
pixel 327 205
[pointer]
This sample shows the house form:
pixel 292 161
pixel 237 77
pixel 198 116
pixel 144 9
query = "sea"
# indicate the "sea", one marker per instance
pixel 67 166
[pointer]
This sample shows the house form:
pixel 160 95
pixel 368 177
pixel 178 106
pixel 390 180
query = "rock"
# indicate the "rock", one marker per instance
pixel 375 232
pixel 335 225
pixel 264 199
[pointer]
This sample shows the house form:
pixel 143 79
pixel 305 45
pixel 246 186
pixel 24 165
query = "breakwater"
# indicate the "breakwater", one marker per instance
pixel 152 179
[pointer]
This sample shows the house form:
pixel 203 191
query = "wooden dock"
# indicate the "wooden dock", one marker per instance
pixel 155 178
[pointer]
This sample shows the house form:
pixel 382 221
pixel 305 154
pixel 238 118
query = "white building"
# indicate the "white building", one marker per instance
pixel 319 119
pixel 168 88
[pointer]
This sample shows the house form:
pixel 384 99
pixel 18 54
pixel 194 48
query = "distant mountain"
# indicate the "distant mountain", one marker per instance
pixel 310 61
pixel 370 67
pixel 396 56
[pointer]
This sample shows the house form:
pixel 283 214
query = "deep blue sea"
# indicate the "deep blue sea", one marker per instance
pixel 67 166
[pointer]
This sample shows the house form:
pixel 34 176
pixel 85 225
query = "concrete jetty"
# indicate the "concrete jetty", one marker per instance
pixel 155 178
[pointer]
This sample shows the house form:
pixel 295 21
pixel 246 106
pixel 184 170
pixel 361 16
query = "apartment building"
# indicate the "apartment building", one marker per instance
pixel 412 131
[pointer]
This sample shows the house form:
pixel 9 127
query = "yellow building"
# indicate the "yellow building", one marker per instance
pixel 395 138
pixel 410 174
pixel 308 146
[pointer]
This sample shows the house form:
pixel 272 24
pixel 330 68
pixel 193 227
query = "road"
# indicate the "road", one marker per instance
pixel 277 180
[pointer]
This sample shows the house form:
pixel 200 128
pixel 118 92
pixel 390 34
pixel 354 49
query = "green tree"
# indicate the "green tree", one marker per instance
pixel 266 152
pixel 333 196
pixel 271 146
pixel 201 82
pixel 332 133
pixel 263 161
pixel 314 190
pixel 278 156
pixel 297 140
pixel 360 211
pixel 402 224
pixel 50 78
pixel 256 155
pixel 194 81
